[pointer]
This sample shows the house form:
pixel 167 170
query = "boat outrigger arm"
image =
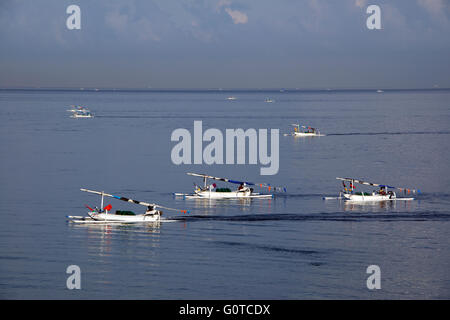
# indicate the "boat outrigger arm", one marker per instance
pixel 103 215
pixel 383 194
pixel 243 191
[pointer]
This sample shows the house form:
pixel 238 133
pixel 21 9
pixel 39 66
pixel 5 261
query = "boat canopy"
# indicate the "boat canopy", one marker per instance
pixel 142 203
pixel 205 176
pixel 300 126
pixel 378 185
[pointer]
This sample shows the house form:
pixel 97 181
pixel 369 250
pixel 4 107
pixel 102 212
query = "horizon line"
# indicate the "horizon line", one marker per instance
pixel 279 89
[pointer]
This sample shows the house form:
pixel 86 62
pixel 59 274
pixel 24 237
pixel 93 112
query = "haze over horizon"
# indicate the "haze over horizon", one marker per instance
pixel 311 44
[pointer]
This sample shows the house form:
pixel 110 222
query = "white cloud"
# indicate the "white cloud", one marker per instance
pixel 437 8
pixel 237 16
pixel 433 6
pixel 223 3
pixel 116 20
pixel 128 23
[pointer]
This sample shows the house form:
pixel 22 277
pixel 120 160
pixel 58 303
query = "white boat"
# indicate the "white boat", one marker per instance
pixel 384 193
pixel 268 100
pixel 104 215
pixel 80 112
pixel 231 98
pixel 380 91
pixel 82 115
pixel 305 131
pixel 212 192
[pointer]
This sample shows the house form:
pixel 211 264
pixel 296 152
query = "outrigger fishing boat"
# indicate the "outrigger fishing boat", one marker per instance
pixel 305 131
pixel 384 193
pixel 80 112
pixel 212 192
pixel 104 215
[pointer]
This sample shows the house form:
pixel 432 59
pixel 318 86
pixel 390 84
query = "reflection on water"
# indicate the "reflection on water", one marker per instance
pixel 102 235
pixel 215 206
pixel 378 206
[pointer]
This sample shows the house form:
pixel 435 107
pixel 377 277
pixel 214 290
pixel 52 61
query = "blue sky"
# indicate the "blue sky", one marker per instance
pixel 225 44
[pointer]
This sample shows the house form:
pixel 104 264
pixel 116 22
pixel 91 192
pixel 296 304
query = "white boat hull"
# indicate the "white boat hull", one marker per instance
pixel 372 197
pixel 120 218
pixel 111 217
pixel 81 116
pixel 224 195
pixel 306 134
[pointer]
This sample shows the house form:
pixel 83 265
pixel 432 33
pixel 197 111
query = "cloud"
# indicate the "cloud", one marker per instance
pixel 128 23
pixel 116 20
pixel 223 3
pixel 433 6
pixel 360 3
pixel 237 16
pixel 437 9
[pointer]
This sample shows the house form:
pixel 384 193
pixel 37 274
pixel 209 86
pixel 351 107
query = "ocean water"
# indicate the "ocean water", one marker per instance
pixel 294 246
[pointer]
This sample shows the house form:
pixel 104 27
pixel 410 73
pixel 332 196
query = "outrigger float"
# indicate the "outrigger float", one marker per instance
pixel 104 215
pixel 383 194
pixel 305 131
pixel 212 192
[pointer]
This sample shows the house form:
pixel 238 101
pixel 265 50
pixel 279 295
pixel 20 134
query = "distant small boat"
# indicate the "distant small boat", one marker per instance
pixel 231 98
pixel 268 100
pixel 80 112
pixel 306 131
pixel 380 91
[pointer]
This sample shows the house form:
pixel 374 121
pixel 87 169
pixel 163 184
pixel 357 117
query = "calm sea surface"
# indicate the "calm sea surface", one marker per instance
pixel 295 246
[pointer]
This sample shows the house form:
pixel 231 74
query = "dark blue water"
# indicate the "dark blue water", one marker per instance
pixel 294 246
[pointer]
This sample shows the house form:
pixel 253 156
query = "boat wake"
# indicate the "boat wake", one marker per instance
pixel 350 217
pixel 387 133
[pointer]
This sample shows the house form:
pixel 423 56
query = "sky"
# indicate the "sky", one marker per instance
pixel 306 44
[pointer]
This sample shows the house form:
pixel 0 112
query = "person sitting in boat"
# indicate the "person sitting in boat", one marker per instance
pixel 382 192
pixel 242 188
pixel 150 209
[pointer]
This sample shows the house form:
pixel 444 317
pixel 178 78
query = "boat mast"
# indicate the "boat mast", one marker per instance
pixel 101 205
